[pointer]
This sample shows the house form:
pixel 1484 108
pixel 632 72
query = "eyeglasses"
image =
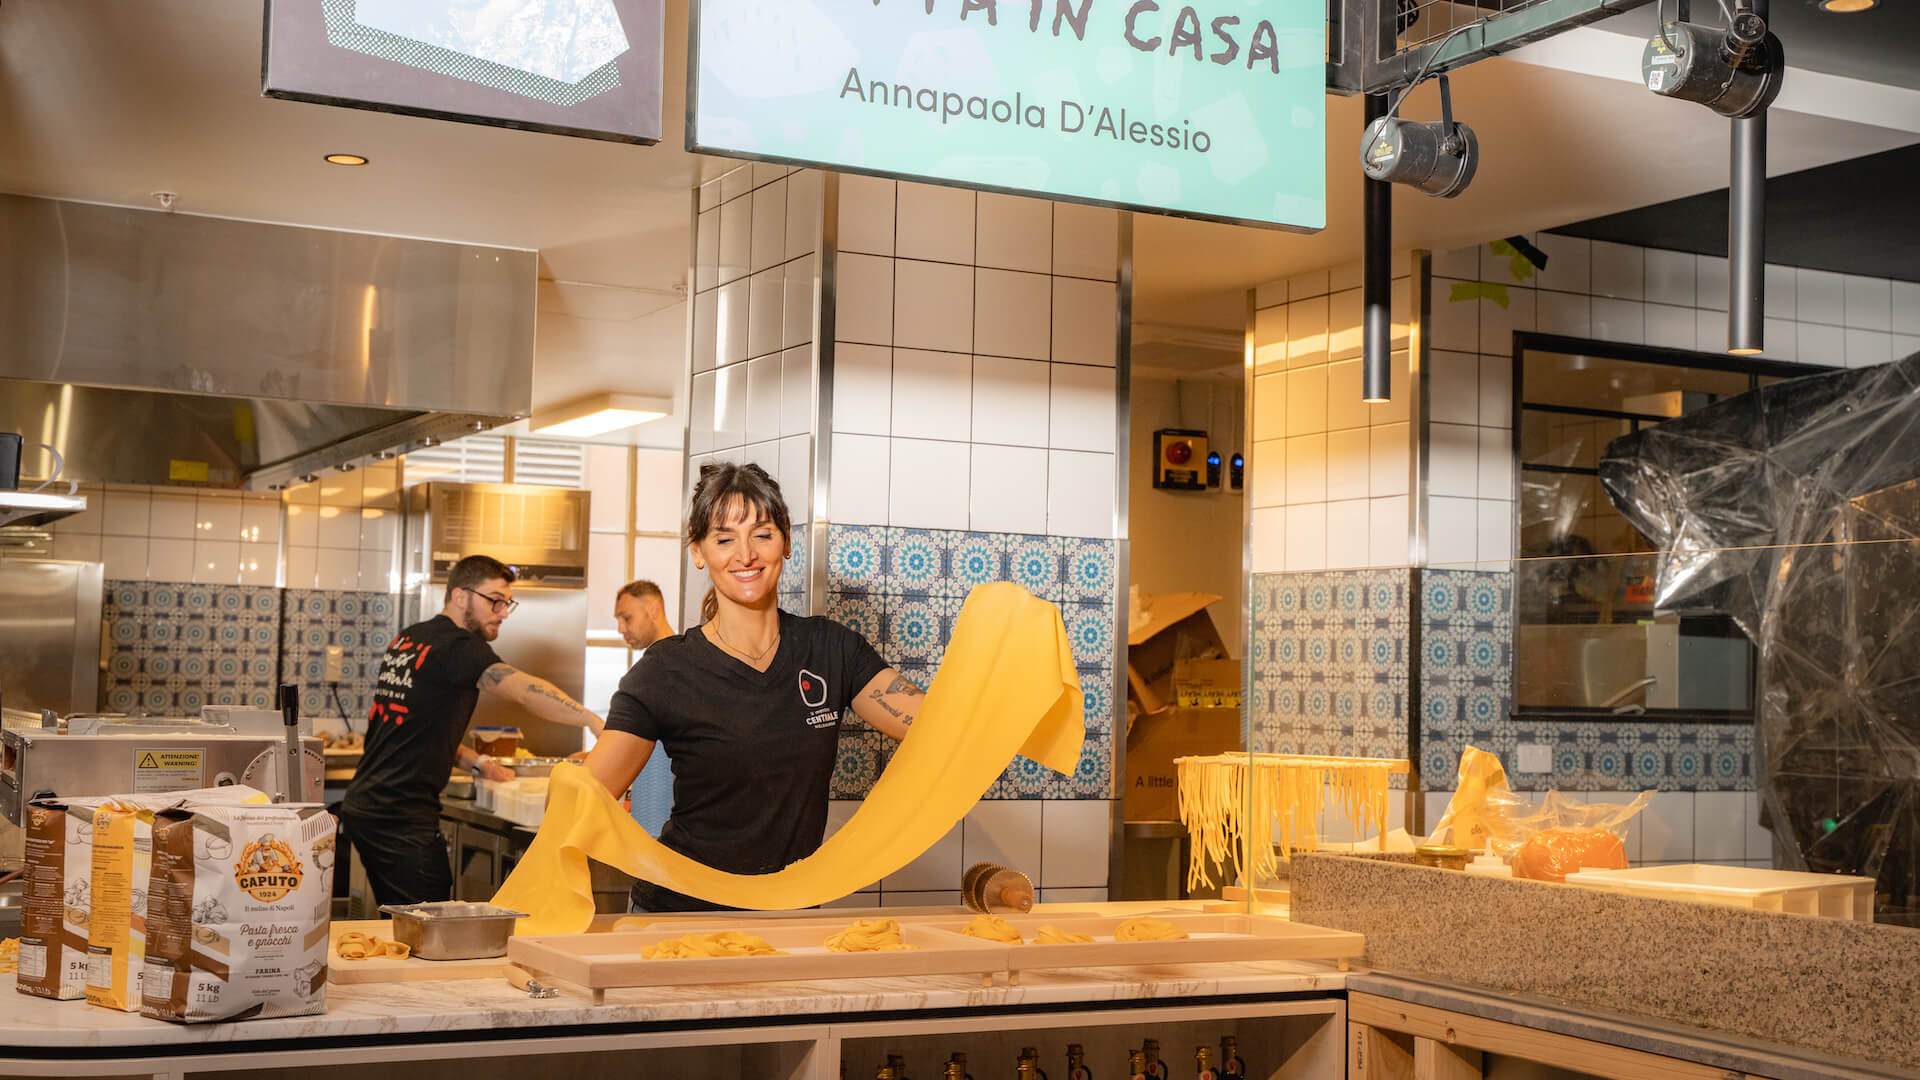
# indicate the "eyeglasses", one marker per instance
pixel 501 605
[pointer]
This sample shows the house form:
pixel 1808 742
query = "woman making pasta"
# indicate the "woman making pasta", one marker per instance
pixel 748 703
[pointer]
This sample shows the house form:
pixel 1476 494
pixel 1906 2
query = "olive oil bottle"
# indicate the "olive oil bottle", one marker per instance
pixel 1203 1063
pixel 956 1068
pixel 1137 1065
pixel 1232 1065
pixel 1077 1063
pixel 899 1066
pixel 1030 1057
pixel 1156 1069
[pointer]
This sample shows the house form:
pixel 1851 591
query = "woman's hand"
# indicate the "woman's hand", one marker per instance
pixel 890 703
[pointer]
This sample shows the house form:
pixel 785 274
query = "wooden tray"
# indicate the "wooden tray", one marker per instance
pixel 1211 939
pixel 600 962
pixel 386 969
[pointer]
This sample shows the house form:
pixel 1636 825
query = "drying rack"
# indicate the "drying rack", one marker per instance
pixel 1248 812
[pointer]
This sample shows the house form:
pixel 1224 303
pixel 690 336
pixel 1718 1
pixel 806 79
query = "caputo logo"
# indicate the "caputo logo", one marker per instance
pixel 267 870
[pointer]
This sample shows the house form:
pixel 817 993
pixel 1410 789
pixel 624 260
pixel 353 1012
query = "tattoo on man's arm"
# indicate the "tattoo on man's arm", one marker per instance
pixel 551 694
pixel 497 674
pixel 903 685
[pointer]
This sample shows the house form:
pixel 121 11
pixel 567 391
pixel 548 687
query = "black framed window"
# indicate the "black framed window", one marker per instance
pixel 1588 640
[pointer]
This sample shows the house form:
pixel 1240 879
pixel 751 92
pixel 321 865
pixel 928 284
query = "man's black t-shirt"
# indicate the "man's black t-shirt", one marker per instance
pixel 752 751
pixel 428 684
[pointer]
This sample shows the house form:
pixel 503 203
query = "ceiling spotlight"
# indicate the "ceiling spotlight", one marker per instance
pixel 1736 72
pixel 354 160
pixel 1845 7
pixel 1437 158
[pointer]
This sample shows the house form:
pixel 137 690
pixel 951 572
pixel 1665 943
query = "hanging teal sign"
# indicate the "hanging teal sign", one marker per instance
pixel 1214 110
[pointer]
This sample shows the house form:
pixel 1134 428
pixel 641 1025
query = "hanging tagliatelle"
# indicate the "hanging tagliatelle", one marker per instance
pixel 1246 812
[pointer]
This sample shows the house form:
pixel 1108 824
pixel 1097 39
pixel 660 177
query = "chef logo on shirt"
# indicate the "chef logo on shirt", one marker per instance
pixel 813 694
pixel 813 689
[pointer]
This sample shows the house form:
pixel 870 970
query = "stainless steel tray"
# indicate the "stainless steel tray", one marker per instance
pixel 453 929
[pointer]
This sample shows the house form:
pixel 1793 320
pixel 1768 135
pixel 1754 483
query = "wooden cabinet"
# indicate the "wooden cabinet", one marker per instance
pixel 1397 1040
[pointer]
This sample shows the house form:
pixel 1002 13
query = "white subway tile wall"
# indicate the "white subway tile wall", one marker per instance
pixel 205 537
pixel 1329 473
pixel 753 387
pixel 970 325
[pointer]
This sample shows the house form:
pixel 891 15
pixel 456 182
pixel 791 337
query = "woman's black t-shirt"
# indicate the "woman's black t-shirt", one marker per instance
pixel 753 752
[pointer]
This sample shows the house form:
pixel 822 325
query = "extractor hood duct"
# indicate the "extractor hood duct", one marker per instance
pixel 156 348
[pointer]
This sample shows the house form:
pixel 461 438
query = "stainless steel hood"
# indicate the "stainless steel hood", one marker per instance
pixel 160 348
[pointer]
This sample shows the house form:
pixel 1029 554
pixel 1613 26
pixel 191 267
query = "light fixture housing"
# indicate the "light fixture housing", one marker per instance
pixel 597 415
pixel 1437 158
pixel 351 160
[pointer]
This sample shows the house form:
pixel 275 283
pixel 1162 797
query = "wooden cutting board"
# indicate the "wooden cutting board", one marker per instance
pixel 389 970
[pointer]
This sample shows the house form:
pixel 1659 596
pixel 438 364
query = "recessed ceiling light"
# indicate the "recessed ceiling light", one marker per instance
pixel 598 415
pixel 1845 7
pixel 345 159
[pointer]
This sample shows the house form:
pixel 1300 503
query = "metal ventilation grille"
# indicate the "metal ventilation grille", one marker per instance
pixel 476 459
pixel 554 464
pixel 539 531
pixel 500 519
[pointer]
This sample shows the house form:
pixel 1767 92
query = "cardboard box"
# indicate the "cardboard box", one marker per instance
pixel 1152 787
pixel 1167 629
pixel 1206 684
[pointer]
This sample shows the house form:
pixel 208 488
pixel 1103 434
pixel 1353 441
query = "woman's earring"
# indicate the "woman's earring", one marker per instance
pixel 699 566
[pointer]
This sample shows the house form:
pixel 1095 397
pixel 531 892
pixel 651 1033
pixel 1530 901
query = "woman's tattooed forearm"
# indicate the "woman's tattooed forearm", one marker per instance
pixel 902 687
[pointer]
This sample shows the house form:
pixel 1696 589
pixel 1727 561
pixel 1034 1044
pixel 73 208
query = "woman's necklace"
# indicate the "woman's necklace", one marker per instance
pixel 752 657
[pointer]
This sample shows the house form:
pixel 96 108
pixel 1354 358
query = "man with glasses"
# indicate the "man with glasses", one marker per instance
pixel 430 680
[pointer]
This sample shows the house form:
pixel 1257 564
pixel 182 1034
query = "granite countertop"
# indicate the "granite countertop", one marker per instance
pixel 362 1010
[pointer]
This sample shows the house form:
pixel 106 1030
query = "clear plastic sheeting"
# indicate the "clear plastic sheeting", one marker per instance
pixel 1795 510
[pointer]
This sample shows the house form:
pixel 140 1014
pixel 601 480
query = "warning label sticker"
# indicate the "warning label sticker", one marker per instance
pixel 159 771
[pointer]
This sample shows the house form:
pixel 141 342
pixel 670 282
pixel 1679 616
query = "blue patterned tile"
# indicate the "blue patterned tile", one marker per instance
pixel 916 563
pixel 360 623
pixel 1038 564
pixel 864 615
pixel 855 563
pixel 856 764
pixel 975 559
pixel 1092 778
pixel 1330 656
pixel 1088 570
pixel 174 648
pixel 1096 695
pixel 918 628
pixel 1090 633
pixel 914 583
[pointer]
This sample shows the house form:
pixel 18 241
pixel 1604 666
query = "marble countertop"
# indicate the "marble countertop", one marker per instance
pixel 491 1005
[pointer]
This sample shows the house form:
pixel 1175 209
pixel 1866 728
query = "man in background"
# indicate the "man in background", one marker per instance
pixel 640 611
pixel 430 679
